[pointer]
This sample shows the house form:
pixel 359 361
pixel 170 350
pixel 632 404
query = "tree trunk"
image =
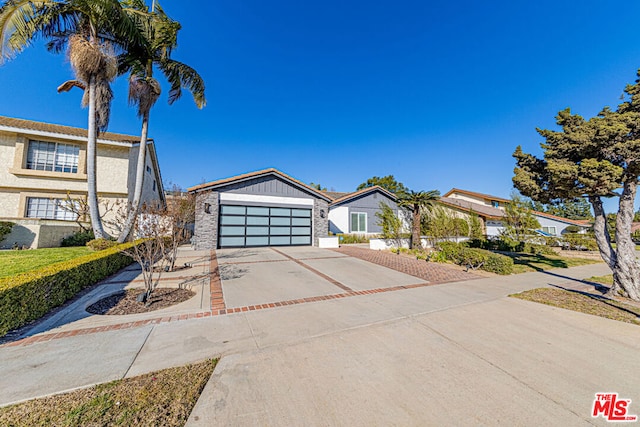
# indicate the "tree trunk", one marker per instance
pixel 140 170
pixel 601 231
pixel 416 242
pixel 92 190
pixel 626 272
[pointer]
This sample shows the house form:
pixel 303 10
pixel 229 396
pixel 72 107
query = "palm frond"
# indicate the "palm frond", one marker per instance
pixel 181 76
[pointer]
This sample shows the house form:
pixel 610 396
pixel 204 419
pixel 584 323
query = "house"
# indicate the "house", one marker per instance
pixel 355 213
pixel 491 210
pixel 262 208
pixel 43 164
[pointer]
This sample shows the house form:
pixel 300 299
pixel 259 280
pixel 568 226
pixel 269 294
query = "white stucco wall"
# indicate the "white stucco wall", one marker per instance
pixel 548 222
pixel 494 228
pixel 339 219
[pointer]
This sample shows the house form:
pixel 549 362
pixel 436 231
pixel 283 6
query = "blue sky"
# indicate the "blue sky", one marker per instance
pixel 334 92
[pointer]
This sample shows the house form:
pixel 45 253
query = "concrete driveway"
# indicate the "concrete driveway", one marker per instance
pixel 256 276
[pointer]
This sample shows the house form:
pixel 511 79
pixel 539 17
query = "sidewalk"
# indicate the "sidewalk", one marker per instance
pixel 58 365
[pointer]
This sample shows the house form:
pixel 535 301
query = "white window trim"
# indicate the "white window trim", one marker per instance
pixel 365 222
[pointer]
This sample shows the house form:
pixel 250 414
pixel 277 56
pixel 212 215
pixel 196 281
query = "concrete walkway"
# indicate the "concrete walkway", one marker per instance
pixel 458 353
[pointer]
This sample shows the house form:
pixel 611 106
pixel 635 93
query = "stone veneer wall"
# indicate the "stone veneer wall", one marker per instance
pixel 320 225
pixel 206 228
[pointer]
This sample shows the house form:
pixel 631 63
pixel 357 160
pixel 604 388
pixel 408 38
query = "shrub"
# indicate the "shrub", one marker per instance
pixel 579 242
pixel 29 296
pixel 79 238
pixel 475 258
pixel 535 249
pixel 499 264
pixel 5 228
pixel 101 244
pixel 352 238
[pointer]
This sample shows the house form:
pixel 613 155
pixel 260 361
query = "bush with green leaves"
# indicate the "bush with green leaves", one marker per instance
pixel 101 244
pixel 79 238
pixel 579 242
pixel 5 228
pixel 461 254
pixel 352 238
pixel 29 296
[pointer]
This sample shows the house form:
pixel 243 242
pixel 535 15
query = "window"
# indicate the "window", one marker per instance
pixel 53 156
pixel 45 208
pixel 358 222
pixel 148 169
pixel 495 204
pixel 549 230
pixel 154 185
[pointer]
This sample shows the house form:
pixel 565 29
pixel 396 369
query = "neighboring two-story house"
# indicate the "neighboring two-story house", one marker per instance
pixel 491 209
pixel 42 165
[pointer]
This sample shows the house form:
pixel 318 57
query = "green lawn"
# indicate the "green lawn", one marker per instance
pixel 525 263
pixel 605 280
pixel 584 303
pixel 163 398
pixel 15 262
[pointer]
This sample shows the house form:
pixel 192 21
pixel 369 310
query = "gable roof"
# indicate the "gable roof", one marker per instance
pixel 258 174
pixel 473 193
pixel 482 210
pixel 335 194
pixel 350 196
pixel 578 222
pixel 11 124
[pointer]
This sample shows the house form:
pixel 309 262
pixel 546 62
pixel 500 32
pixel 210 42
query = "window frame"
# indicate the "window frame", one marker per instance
pixel 351 230
pixel 61 151
pixel 548 230
pixel 58 213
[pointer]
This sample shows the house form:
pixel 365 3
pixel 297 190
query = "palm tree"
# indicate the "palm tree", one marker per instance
pixel 418 201
pixel 161 33
pixel 93 31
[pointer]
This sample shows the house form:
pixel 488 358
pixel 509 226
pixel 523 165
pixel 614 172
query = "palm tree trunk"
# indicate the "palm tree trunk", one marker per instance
pixel 92 138
pixel 137 192
pixel 416 242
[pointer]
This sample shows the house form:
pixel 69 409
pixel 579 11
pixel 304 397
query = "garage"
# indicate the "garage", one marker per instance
pixel 246 226
pixel 262 208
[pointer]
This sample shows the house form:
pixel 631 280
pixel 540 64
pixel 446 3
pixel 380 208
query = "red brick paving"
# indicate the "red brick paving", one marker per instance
pixel 429 271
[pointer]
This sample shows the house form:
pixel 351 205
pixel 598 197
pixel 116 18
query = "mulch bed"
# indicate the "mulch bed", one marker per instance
pixel 125 302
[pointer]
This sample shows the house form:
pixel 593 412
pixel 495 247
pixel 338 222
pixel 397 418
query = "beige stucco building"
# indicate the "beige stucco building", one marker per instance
pixel 42 163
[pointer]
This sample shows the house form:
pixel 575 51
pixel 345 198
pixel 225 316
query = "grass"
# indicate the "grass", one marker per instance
pixel 605 280
pixel 524 263
pixel 163 398
pixel 584 303
pixel 14 262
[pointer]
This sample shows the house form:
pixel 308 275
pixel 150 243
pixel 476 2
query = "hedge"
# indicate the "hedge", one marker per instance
pixel 29 296
pixel 476 258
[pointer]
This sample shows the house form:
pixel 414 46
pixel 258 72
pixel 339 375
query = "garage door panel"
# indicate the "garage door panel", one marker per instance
pixel 280 221
pixel 300 240
pixel 280 231
pixel 252 210
pixel 257 220
pixel 227 230
pixel 231 241
pixel 279 240
pixel 300 221
pixel 232 220
pixel 257 231
pixel 304 231
pixel 257 241
pixel 242 226
pixel 233 210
